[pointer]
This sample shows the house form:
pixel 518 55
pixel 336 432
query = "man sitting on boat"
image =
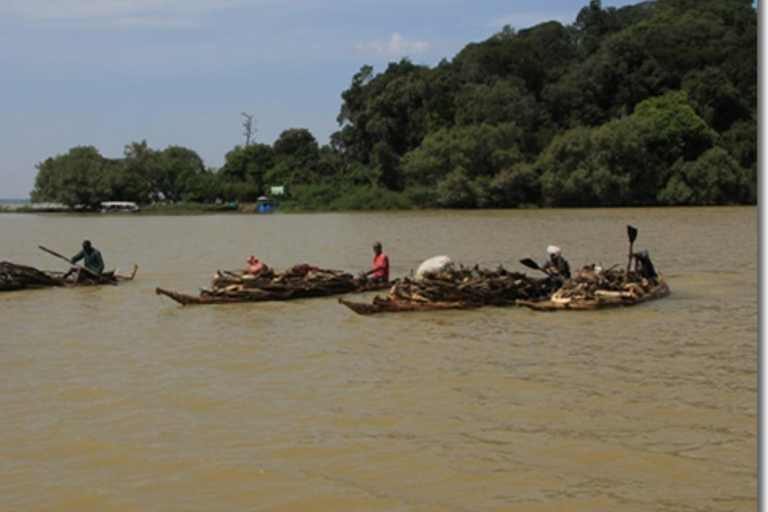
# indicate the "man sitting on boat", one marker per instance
pixel 380 270
pixel 255 267
pixel 92 260
pixel 644 267
pixel 557 265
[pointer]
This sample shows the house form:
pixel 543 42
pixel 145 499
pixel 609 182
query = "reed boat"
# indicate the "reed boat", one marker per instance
pixel 294 283
pixel 390 305
pixel 454 288
pixel 601 299
pixel 21 277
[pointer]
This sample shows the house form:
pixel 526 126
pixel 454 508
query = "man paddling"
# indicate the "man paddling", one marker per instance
pixel 556 265
pixel 92 260
pixel 557 268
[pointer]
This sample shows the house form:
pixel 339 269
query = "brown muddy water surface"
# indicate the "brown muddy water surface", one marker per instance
pixel 116 399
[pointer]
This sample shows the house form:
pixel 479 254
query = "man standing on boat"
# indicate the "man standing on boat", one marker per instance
pixel 92 260
pixel 380 270
pixel 644 267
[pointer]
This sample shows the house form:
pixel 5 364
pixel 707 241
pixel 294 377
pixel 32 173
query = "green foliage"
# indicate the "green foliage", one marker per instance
pixel 82 177
pixel 654 103
pixel 314 197
pixel 741 142
pixel 296 159
pixel 456 190
pixel 480 150
pixel 421 196
pixel 713 179
pixel 332 165
pixel 536 55
pixel 628 172
pixel 387 163
pixel 609 83
pixel 715 98
pixel 370 198
pixel 168 174
pixel 247 166
pixel 567 167
pixel 361 197
pixel 513 187
pixel 178 208
pixel 501 102
pixel 678 131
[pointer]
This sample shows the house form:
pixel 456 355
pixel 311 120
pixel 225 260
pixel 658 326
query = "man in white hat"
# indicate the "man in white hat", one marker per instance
pixel 556 265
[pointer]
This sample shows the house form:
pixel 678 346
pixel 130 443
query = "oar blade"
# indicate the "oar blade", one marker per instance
pixel 631 233
pixel 528 262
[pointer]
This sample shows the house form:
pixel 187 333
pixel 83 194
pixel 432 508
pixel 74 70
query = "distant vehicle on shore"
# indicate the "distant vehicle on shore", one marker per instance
pixel 119 207
pixel 265 205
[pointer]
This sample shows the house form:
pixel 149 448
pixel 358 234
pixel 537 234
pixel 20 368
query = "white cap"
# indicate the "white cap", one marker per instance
pixel 553 249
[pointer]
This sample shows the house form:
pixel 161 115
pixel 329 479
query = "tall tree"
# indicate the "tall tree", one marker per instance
pixel 82 177
pixel 168 173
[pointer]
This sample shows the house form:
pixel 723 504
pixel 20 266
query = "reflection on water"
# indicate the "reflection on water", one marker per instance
pixel 114 398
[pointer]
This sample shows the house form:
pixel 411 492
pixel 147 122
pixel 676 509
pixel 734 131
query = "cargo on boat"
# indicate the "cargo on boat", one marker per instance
pixel 20 277
pixel 455 288
pixel 593 288
pixel 590 288
pixel 297 282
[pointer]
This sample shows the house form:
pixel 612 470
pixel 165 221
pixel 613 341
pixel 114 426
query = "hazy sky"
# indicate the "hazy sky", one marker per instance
pixel 106 73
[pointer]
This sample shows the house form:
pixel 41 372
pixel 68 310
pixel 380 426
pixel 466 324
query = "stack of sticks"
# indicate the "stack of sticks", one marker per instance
pixel 18 277
pixel 591 281
pixel 296 282
pixel 471 286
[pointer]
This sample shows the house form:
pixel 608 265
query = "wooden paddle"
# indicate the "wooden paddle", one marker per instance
pixel 99 277
pixel 632 234
pixel 528 262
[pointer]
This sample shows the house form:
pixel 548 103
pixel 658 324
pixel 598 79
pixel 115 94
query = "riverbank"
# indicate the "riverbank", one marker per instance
pixel 281 206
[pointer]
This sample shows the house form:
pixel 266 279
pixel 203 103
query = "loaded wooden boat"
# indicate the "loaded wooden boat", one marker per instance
pixel 297 282
pixel 390 305
pixel 593 287
pixel 454 289
pixel 574 296
pixel 112 277
pixel 20 277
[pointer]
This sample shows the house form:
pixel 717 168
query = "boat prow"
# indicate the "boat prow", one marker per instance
pixel 388 305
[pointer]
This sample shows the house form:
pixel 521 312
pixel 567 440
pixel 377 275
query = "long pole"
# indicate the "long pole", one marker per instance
pixel 96 275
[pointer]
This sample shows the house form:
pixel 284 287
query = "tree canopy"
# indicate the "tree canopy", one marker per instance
pixel 647 104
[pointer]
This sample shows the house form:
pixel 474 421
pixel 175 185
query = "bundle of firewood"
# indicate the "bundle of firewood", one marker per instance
pixel 591 280
pixel 297 281
pixel 475 286
pixel 17 277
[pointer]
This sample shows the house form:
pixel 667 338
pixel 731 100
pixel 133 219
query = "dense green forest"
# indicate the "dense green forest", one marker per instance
pixel 648 104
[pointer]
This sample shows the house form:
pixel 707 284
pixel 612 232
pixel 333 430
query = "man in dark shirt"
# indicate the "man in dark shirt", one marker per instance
pixel 643 265
pixel 92 260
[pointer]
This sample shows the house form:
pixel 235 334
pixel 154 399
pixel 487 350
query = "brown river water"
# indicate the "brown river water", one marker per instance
pixel 117 399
